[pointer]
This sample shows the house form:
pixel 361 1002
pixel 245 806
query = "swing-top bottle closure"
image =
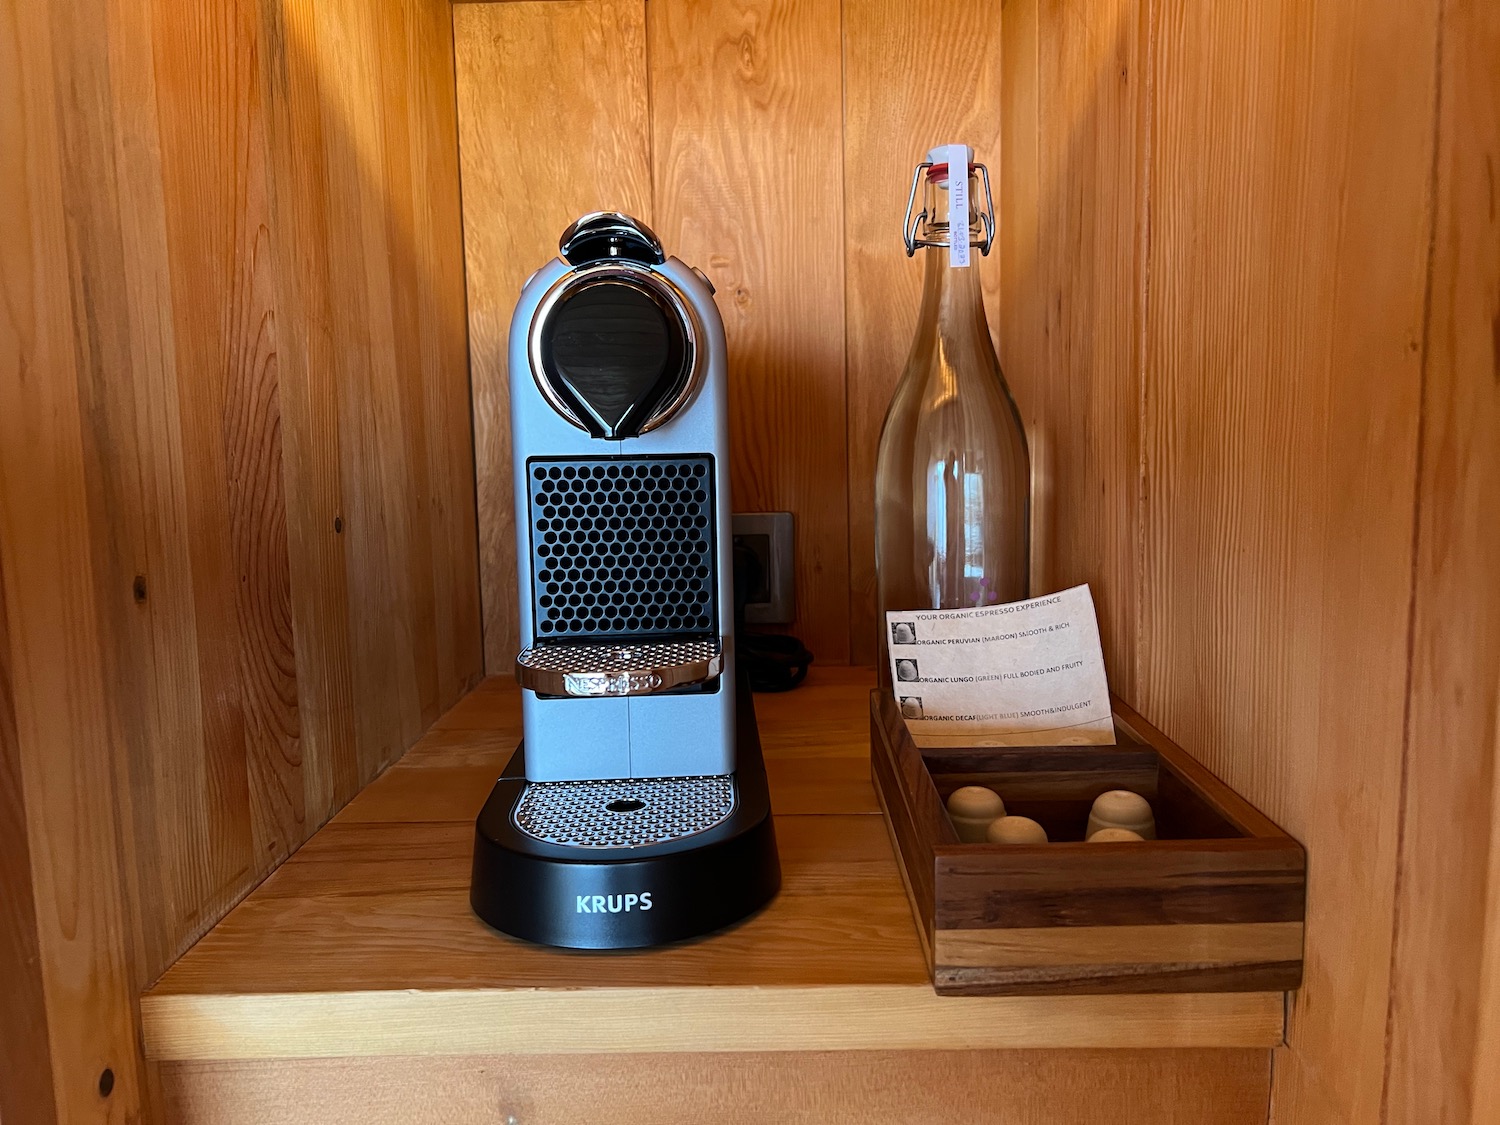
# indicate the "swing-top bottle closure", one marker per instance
pixel 926 227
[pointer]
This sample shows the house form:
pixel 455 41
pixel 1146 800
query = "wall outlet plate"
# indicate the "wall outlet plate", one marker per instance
pixel 768 535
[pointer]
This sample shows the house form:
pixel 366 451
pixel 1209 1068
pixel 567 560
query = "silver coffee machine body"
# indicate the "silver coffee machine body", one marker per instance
pixel 636 809
pixel 622 501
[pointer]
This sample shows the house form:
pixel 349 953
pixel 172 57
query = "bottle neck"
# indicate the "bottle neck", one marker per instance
pixel 950 295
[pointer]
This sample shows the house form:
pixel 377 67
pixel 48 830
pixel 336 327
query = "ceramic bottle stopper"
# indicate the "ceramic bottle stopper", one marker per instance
pixel 971 809
pixel 1017 830
pixel 1120 808
pixel 1113 836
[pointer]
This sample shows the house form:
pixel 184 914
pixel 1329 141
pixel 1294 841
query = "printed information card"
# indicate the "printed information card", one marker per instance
pixel 1024 674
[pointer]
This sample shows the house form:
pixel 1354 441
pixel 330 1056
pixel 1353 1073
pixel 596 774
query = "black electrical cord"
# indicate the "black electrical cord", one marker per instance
pixel 772 661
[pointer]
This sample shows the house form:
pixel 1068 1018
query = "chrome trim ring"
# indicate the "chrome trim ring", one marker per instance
pixel 646 278
pixel 587 671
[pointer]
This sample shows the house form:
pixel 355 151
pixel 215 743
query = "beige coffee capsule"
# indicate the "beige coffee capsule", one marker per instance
pixel 1120 808
pixel 1017 830
pixel 1114 836
pixel 972 809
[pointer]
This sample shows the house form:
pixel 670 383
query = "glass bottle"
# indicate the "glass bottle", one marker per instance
pixel 953 477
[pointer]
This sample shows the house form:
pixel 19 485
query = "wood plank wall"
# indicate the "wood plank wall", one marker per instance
pixel 1245 302
pixel 1250 285
pixel 1246 294
pixel 768 143
pixel 238 563
pixel 1444 1058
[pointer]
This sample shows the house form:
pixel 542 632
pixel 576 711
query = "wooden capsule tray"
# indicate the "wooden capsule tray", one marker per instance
pixel 1214 905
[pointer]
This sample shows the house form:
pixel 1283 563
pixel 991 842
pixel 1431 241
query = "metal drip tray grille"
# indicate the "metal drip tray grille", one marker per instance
pixel 618 669
pixel 628 813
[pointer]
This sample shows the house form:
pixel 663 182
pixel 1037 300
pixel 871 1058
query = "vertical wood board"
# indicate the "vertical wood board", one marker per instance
pixel 176 350
pixel 1184 1087
pixel 1283 313
pixel 1442 1023
pixel 1073 186
pixel 540 145
pixel 746 105
pixel 1244 505
pixel 26 1088
pixel 63 733
pixel 949 92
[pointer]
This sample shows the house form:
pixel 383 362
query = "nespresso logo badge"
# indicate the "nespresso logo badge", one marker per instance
pixel 612 904
pixel 610 683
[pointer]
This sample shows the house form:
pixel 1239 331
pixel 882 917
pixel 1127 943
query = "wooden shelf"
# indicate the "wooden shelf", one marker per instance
pixel 363 942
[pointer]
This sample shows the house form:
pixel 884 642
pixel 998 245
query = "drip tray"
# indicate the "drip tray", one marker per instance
pixel 628 813
pixel 592 670
pixel 675 858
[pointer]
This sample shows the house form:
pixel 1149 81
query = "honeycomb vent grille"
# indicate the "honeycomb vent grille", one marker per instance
pixel 622 547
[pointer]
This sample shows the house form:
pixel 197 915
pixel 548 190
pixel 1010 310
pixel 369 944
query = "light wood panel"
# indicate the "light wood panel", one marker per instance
pixel 236 489
pixel 224 593
pixel 746 141
pixel 27 1086
pixel 888 1088
pixel 1247 515
pixel 1444 989
pixel 949 92
pixel 395 305
pixel 1286 281
pixel 541 145
pixel 1233 943
pixel 720 124
pixel 765 1017
pixel 1486 1082
pixel 56 659
pixel 781 174
pixel 730 86
pixel 1072 195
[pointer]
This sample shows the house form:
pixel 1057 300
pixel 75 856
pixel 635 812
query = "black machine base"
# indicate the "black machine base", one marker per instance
pixel 586 898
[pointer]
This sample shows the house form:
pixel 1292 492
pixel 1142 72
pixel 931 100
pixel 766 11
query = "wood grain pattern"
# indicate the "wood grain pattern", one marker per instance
pixel 1183 912
pixel 228 606
pixel 56 663
pixel 778 172
pixel 1072 200
pixel 1183 882
pixel 234 574
pixel 875 1088
pixel 949 92
pixel 1485 1093
pixel 1246 514
pixel 26 1077
pixel 541 144
pixel 1183 768
pixel 583 1020
pixel 1188 945
pixel 394 303
pixel 833 962
pixel 1283 327
pixel 732 81
pixel 1442 1018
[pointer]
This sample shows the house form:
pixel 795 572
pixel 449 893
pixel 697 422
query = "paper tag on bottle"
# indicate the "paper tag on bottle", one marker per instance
pixel 1023 674
pixel 958 205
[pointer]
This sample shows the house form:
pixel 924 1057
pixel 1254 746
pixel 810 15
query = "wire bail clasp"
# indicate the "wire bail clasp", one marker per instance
pixel 913 223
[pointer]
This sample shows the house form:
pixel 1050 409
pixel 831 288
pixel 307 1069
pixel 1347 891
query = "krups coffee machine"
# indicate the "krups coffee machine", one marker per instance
pixel 635 811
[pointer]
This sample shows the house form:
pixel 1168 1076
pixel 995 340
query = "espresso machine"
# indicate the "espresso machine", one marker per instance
pixel 635 811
